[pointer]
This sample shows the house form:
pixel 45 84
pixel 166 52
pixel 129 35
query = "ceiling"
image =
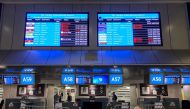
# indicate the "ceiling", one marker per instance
pixel 92 1
pixel 102 58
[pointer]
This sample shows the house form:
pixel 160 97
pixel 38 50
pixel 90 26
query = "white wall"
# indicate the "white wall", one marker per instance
pixel 186 91
pixel 173 16
pixel 174 91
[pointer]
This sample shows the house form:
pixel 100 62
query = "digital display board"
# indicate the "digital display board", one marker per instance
pixel 68 79
pixel 116 79
pixel 56 29
pixel 100 79
pixel 156 79
pixel 172 79
pixel 129 29
pixel 11 79
pixel 27 79
pixel 185 79
pixel 83 79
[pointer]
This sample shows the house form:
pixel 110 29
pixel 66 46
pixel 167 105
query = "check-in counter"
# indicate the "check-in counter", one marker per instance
pixel 15 103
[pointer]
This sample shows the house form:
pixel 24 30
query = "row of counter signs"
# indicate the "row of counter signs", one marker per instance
pixel 100 76
pixel 160 76
pixel 70 76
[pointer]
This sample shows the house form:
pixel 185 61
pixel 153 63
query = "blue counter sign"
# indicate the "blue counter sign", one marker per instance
pixel 116 79
pixel 68 70
pixel 155 70
pixel 27 79
pixel 68 79
pixel 156 79
pixel 116 70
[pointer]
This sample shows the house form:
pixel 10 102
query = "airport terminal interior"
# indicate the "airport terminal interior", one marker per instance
pixel 94 54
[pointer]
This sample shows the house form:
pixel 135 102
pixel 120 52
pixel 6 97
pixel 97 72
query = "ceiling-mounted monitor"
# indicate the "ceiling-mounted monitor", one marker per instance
pixel 56 29
pixel 172 79
pixel 129 29
pixel 11 79
pixel 100 79
pixel 185 79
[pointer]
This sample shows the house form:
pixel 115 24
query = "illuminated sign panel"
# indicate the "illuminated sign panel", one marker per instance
pixel 27 79
pixel 129 29
pixel 116 79
pixel 68 79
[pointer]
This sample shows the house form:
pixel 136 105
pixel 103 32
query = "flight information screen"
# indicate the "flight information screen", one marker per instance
pixel 56 29
pixel 129 29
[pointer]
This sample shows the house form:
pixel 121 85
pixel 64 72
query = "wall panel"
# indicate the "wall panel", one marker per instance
pixel 178 26
pixel 174 26
pixel 7 26
pixel 19 25
pixel 92 9
pixel 162 8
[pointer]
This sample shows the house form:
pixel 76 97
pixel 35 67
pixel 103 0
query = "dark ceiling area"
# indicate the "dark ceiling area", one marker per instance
pixel 93 1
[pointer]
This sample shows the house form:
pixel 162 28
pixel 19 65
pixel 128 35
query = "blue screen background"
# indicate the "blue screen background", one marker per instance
pixel 172 79
pixel 68 79
pixel 24 76
pixel 46 32
pixel 119 30
pixel 83 79
pixel 101 79
pixel 156 79
pixel 185 79
pixel 11 80
pixel 116 79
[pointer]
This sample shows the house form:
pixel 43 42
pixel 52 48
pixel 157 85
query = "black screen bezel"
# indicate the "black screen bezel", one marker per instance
pixel 161 45
pixel 56 13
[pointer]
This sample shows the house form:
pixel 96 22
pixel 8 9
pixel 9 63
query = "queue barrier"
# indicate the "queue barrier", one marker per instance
pixel 147 106
pixel 41 107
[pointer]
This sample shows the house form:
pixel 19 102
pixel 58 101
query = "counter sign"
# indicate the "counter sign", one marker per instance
pixel 68 79
pixel 27 79
pixel 156 78
pixel 116 79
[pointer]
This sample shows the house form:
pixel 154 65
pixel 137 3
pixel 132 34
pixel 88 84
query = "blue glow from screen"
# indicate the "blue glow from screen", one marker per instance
pixel 68 70
pixel 56 29
pixel 9 80
pixel 56 16
pixel 155 70
pixel 100 70
pixel 185 79
pixel 100 79
pixel 129 29
pixel 27 79
pixel 116 70
pixel 83 79
pixel 27 70
pixel 172 79
pixel 116 79
pixel 129 16
pixel 156 79
pixel 68 79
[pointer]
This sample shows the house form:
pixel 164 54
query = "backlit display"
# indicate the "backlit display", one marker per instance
pixel 56 29
pixel 129 29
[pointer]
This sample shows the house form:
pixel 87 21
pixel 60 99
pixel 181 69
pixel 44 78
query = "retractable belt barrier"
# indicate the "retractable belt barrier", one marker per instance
pixel 41 107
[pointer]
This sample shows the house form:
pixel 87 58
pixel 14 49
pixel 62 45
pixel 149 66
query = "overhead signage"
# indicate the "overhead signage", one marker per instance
pixel 116 79
pixel 116 70
pixel 156 78
pixel 27 79
pixel 68 79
